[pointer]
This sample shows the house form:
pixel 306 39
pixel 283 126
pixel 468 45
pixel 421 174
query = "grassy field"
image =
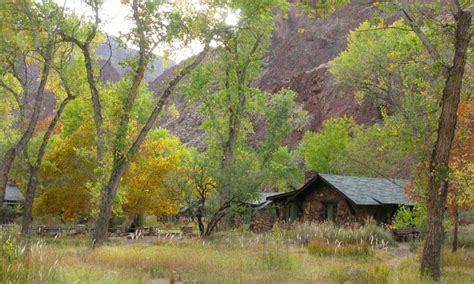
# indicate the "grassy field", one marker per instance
pixel 233 257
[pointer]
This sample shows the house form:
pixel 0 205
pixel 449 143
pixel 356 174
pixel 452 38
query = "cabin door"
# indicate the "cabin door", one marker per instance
pixel 329 211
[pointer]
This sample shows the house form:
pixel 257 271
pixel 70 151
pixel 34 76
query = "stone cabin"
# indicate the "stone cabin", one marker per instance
pixel 340 199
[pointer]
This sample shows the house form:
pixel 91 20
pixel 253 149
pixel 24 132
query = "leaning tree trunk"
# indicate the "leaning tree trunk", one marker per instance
pixel 438 169
pixel 34 170
pixel 108 194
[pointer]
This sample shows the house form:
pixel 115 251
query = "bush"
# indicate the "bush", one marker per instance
pixel 7 214
pixel 405 218
pixel 322 248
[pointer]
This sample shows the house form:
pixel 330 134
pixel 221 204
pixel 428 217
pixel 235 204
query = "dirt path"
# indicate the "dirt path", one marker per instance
pixel 400 252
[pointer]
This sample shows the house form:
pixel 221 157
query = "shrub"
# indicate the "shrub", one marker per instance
pixel 7 214
pixel 322 248
pixel 277 231
pixel 23 263
pixel 404 218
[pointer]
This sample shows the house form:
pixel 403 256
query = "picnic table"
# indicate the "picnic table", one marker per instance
pixel 44 230
pixel 406 234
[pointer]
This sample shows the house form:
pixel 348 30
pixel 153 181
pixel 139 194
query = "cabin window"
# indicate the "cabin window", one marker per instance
pixel 292 212
pixel 329 211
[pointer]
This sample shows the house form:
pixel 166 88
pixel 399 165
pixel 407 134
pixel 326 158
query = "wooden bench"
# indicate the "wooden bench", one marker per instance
pixel 406 234
pixel 44 230
pixel 49 231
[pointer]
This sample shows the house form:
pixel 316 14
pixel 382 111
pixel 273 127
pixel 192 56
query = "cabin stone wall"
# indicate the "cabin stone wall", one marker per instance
pixel 364 214
pixel 262 222
pixel 314 206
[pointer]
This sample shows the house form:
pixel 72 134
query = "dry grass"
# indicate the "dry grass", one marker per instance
pixel 323 248
pixel 227 258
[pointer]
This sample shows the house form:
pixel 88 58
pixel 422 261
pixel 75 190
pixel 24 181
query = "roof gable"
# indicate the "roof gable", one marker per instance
pixel 13 194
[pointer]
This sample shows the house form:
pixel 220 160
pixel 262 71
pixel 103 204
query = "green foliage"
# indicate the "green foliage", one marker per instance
pixel 321 8
pixel 404 218
pixel 390 67
pixel 322 150
pixel 237 163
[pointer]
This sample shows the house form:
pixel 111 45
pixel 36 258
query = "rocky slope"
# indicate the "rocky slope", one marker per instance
pixel 298 61
pixel 295 60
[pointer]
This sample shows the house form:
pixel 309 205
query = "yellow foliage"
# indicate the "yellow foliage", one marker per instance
pixel 145 182
pixel 68 168
pixel 173 111
pixel 393 54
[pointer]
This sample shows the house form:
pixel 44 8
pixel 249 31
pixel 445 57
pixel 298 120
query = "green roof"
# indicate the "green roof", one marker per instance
pixel 370 191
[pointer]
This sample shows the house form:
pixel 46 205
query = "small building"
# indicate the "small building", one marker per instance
pixel 342 199
pixel 13 196
pixel 261 215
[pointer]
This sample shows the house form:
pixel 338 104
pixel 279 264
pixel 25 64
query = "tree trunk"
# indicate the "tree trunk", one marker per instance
pixel 95 97
pixel 438 169
pixel 108 194
pixel 5 166
pixel 34 170
pixel 29 198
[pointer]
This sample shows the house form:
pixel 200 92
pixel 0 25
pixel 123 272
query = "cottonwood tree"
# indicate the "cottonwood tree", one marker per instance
pixel 438 165
pixel 154 24
pixel 229 104
pixel 235 169
pixel 454 19
pixel 385 64
pixel 29 38
pixel 35 166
